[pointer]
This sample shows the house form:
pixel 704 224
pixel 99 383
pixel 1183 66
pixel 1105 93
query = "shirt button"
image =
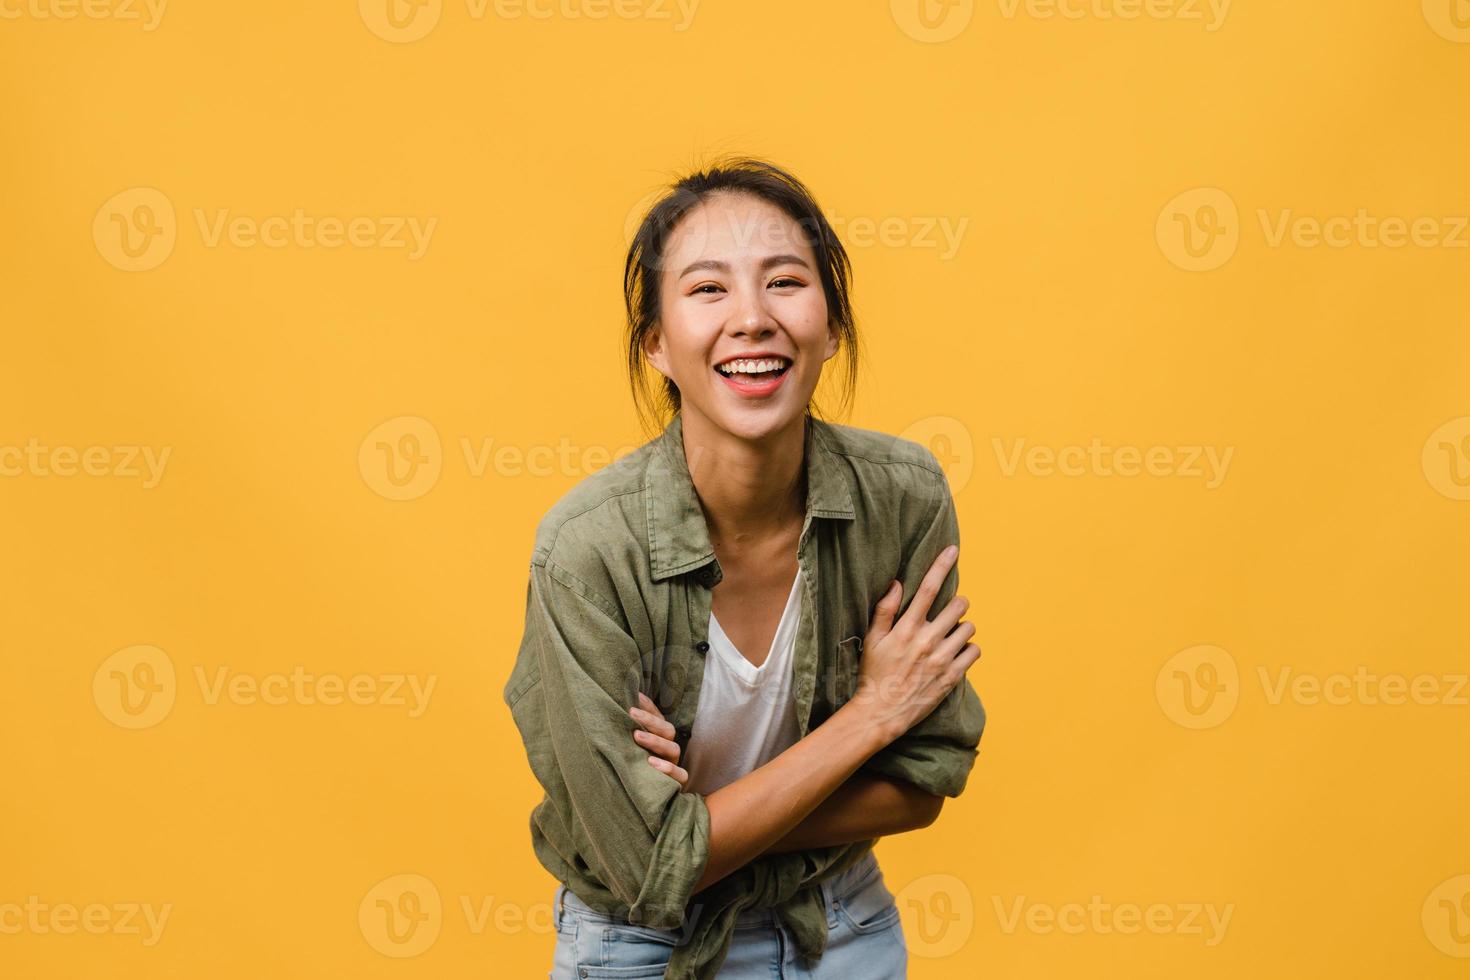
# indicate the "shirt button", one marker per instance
pixel 702 646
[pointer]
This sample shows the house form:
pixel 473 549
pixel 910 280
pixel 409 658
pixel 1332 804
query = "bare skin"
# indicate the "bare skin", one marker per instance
pixel 758 575
pixel 739 279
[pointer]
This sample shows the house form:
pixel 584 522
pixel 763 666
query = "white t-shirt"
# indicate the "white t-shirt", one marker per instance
pixel 747 714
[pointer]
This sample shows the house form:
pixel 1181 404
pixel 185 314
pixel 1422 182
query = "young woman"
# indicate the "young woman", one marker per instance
pixel 743 659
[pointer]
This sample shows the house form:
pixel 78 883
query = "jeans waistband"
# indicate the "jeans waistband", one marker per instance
pixel 839 886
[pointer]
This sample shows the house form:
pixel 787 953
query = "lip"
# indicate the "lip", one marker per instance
pixel 766 388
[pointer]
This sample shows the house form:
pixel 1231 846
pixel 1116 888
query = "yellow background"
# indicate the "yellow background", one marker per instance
pixel 1335 541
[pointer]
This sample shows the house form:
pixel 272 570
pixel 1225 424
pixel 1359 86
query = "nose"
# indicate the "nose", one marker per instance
pixel 750 315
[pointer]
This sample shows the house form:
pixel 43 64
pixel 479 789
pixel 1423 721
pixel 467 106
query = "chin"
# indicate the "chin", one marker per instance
pixel 755 423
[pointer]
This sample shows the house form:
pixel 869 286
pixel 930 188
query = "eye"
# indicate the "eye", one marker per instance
pixel 786 282
pixel 706 288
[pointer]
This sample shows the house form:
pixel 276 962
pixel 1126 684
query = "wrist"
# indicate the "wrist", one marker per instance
pixel 864 725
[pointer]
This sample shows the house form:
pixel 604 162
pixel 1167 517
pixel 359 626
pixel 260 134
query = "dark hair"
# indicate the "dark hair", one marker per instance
pixel 645 264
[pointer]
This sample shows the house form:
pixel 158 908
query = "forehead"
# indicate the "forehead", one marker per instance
pixel 728 225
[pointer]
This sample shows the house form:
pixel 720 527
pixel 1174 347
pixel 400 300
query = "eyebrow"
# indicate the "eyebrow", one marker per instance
pixel 766 263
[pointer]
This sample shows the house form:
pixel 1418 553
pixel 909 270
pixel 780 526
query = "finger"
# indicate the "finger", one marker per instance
pixel 955 645
pixel 663 747
pixel 650 706
pixel 942 624
pixel 884 612
pixel 968 654
pixel 665 766
pixel 917 613
pixel 653 723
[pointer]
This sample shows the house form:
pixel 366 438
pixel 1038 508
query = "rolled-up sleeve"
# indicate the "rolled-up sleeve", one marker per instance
pixel 623 820
pixel 937 753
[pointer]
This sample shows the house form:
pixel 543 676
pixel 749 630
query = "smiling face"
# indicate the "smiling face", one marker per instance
pixel 743 324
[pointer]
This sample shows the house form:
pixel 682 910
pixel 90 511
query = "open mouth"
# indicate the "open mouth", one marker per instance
pixel 754 371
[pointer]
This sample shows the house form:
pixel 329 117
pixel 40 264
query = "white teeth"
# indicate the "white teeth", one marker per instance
pixel 748 366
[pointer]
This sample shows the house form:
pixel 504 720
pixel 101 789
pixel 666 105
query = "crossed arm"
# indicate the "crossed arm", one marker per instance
pixel 866 806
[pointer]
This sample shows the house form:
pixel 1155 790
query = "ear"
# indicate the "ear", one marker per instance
pixel 653 349
pixel 834 341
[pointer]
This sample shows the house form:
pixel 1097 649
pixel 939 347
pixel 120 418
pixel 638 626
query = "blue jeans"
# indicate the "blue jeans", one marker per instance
pixel 864 938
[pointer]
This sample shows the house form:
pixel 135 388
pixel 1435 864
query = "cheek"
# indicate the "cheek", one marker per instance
pixel 685 329
pixel 808 313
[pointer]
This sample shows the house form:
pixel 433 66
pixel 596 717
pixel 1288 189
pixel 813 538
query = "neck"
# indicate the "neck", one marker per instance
pixel 749 489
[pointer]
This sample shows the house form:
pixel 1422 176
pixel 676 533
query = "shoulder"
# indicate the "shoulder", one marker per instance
pixel 881 463
pixel 597 525
pixel 903 504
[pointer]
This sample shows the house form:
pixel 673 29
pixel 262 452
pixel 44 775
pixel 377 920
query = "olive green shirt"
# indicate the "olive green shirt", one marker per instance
pixel 619 601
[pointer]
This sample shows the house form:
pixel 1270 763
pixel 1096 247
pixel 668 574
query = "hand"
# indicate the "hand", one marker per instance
pixel 657 736
pixel 910 666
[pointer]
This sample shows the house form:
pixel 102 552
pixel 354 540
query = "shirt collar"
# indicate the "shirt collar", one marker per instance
pixel 678 538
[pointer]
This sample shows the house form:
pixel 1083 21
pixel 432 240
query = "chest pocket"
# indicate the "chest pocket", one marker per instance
pixel 838 681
